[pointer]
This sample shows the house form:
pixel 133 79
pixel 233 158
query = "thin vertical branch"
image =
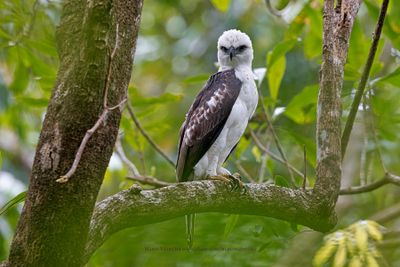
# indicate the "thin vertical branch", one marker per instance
pixel 364 77
pixel 375 136
pixel 276 139
pixel 272 155
pixel 305 168
pixel 363 156
pixel 121 154
pixel 147 137
pixel 261 171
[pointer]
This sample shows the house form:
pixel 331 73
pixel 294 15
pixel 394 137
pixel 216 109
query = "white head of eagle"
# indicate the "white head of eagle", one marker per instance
pixel 234 48
pixel 220 113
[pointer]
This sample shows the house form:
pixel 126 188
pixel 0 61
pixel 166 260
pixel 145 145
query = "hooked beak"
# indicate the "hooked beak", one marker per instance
pixel 232 52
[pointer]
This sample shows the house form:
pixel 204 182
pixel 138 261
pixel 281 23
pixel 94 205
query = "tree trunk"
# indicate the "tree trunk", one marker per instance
pixel 53 227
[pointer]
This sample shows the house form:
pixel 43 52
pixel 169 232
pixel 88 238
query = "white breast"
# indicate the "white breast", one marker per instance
pixel 248 94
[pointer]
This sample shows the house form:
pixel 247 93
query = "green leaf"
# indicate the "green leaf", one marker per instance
pixel 280 4
pixel 392 79
pixel 279 51
pixel 230 225
pixel 313 32
pixel 201 78
pixel 310 146
pixel 275 75
pixel 263 246
pixel 256 153
pixel 302 108
pixel 359 47
pixel 4 34
pixel 14 201
pixel 221 5
pixel 241 147
pixel 276 65
pixel 140 101
pixel 257 230
pixel 33 102
pixel 294 227
pixel 21 79
pixel 281 181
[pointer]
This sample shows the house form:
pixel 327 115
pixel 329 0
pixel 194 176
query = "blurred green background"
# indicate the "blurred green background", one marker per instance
pixel 175 54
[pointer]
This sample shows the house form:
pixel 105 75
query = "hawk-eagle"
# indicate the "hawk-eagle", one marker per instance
pixel 219 115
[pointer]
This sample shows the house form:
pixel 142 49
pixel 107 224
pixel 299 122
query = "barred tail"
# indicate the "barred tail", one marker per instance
pixel 190 229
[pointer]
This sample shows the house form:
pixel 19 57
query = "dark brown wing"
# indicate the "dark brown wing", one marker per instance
pixel 205 120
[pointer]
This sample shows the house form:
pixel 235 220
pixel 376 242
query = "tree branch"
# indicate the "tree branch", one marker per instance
pixel 337 29
pixel 133 207
pixel 136 176
pixel 149 180
pixel 388 214
pixel 387 179
pixel 271 9
pixel 121 154
pixel 364 77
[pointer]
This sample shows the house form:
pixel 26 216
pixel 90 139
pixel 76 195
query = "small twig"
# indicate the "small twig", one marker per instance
pixel 100 120
pixel 112 54
pixel 375 137
pixel 89 133
pixel 364 77
pixel 305 168
pixel 136 176
pixel 148 138
pixel 274 135
pixel 149 180
pixel 272 155
pixel 121 154
pixel 271 9
pixel 389 178
pixel 263 164
pixel 363 156
pixel 243 171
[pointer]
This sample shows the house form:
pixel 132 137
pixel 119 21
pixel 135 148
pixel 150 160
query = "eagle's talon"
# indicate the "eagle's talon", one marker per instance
pixel 234 181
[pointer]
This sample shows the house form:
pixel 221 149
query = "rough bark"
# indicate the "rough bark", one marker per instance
pixel 134 207
pixel 53 227
pixel 338 23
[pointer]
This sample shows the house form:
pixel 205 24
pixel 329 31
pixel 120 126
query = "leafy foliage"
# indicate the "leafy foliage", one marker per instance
pixel 14 201
pixel 354 246
pixel 175 56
